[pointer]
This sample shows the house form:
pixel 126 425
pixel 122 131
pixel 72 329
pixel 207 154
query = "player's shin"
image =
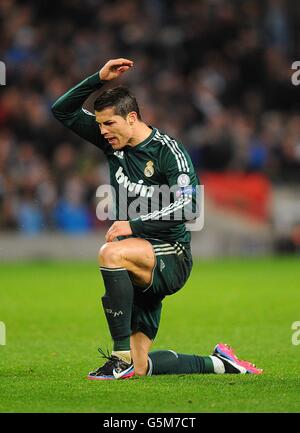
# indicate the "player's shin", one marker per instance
pixel 170 362
pixel 117 303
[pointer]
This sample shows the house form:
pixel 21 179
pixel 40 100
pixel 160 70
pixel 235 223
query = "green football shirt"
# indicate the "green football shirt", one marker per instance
pixel 155 184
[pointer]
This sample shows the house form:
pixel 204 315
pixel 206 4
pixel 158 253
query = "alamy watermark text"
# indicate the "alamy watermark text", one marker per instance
pixel 2 334
pixel 2 74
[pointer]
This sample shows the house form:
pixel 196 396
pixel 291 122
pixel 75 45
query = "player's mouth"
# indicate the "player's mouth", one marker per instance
pixel 112 140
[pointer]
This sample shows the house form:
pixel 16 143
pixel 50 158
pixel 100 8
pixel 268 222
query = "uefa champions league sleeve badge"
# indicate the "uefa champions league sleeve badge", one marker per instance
pixel 183 180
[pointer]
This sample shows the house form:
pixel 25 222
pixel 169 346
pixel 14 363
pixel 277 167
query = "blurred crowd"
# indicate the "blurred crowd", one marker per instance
pixel 214 74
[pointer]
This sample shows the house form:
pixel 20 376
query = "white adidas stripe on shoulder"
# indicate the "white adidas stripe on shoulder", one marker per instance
pixel 181 155
pixel 174 148
pixel 165 142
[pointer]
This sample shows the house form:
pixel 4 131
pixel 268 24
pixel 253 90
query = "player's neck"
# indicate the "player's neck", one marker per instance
pixel 141 133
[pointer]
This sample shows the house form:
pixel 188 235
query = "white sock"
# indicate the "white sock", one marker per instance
pixel 123 354
pixel 219 367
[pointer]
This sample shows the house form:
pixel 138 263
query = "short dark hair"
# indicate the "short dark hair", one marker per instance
pixel 118 98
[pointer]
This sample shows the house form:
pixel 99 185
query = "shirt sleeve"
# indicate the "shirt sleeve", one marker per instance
pixel 184 198
pixel 69 110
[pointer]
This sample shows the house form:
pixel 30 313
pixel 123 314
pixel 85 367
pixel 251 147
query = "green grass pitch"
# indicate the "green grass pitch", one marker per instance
pixel 54 324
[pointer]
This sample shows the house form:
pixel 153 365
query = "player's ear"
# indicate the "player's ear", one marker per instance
pixel 132 117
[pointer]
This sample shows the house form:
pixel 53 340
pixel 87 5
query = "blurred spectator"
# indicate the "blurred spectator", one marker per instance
pixel 71 214
pixel 29 216
pixel 291 243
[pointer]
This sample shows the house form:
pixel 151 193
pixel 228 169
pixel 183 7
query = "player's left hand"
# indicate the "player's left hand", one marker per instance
pixel 119 228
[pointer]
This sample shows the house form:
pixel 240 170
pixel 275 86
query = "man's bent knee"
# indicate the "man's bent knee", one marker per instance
pixel 110 255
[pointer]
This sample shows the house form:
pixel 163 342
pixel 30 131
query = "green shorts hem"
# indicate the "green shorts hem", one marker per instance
pixel 147 330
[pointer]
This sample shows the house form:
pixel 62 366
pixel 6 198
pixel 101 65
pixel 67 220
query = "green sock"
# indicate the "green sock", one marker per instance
pixel 170 362
pixel 117 303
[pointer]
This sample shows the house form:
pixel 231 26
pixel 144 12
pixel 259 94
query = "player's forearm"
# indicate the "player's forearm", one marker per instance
pixel 179 212
pixel 68 105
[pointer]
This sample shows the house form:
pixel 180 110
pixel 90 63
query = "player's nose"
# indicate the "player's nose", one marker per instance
pixel 103 130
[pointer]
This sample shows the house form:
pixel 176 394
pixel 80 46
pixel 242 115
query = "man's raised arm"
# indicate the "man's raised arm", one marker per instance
pixel 69 110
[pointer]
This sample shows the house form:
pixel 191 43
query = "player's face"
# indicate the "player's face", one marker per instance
pixel 114 128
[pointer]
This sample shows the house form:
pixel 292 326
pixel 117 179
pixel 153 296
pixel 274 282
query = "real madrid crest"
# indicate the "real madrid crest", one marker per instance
pixel 149 169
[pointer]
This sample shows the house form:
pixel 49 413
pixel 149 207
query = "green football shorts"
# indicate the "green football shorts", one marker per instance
pixel 170 273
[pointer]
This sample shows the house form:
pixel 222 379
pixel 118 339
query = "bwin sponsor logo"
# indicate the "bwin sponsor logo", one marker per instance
pixel 136 188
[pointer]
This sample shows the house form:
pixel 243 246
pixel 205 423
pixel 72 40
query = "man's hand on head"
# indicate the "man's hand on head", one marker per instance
pixel 119 228
pixel 114 68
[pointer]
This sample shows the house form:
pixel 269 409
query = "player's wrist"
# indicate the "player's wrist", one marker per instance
pixel 136 226
pixel 94 80
pixel 102 77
